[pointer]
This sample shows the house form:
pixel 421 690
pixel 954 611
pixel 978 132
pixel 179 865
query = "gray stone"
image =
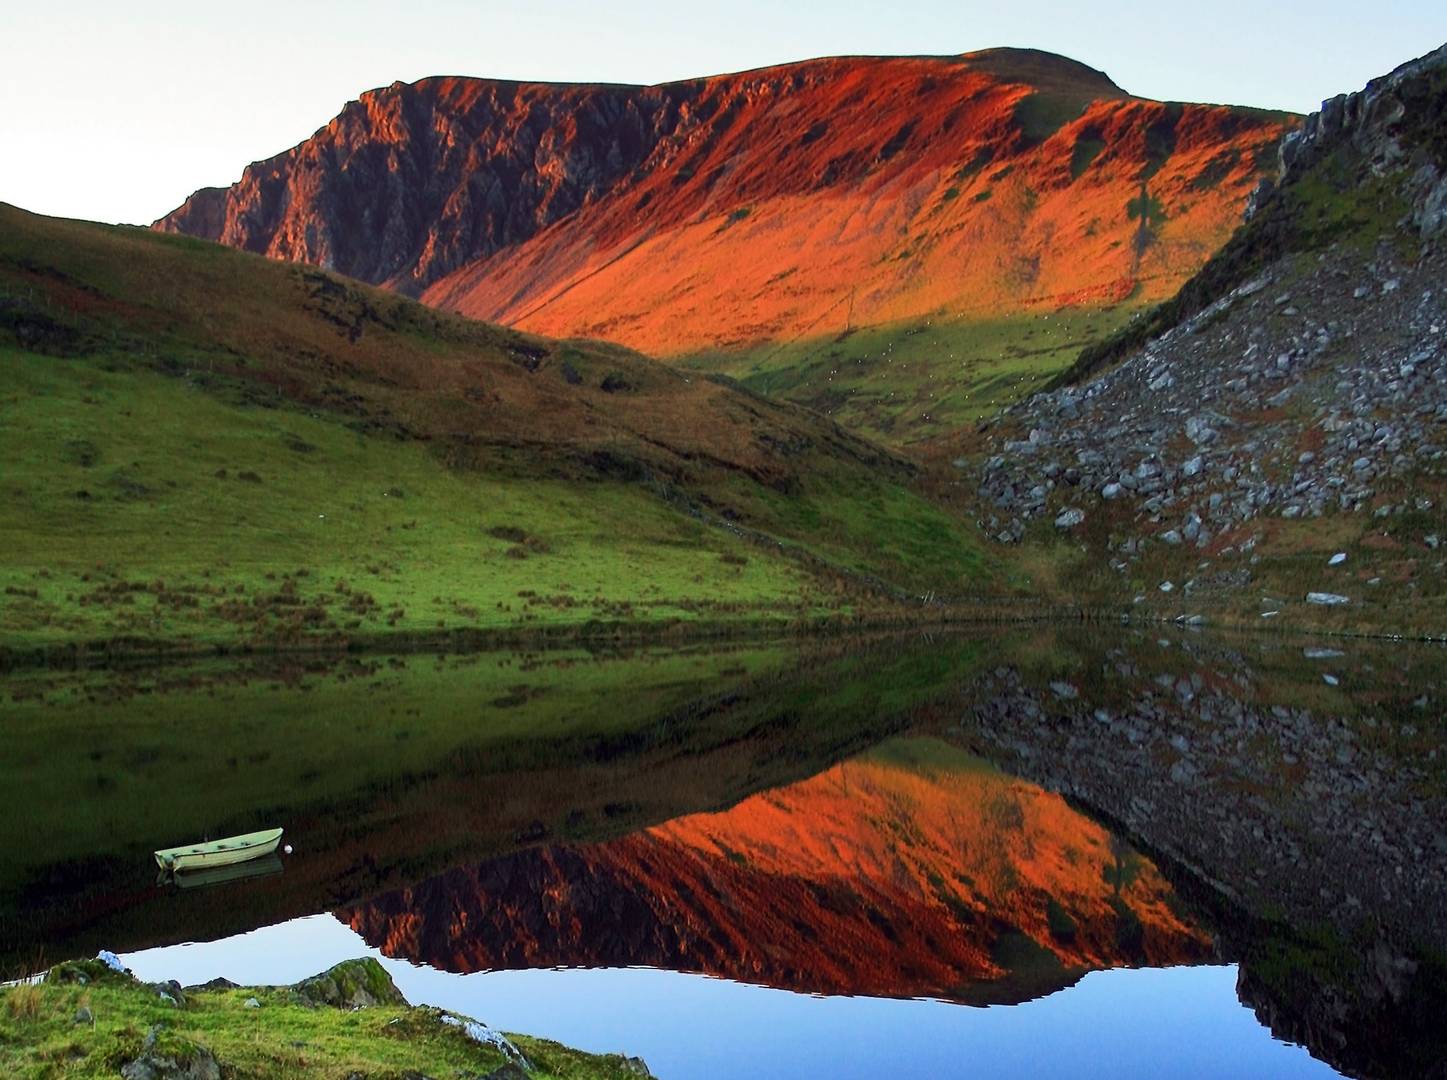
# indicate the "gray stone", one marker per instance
pixel 1070 518
pixel 188 1061
pixel 352 984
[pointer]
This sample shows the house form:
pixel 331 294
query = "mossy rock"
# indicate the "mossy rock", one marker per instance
pixel 167 1056
pixel 352 984
pixel 85 972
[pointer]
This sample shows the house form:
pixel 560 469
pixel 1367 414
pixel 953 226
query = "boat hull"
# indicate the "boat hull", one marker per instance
pixel 214 853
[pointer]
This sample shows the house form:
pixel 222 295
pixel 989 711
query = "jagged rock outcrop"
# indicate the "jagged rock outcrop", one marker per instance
pixel 1394 124
pixel 747 207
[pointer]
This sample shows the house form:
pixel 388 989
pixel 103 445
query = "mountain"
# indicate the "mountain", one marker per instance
pixel 1270 441
pixel 208 446
pixel 913 871
pixel 745 222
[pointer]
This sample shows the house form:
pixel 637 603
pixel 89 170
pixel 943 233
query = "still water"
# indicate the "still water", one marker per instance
pixel 1181 1021
pixel 1044 854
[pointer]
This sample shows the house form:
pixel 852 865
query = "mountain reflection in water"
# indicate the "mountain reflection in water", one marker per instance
pixel 817 816
pixel 912 871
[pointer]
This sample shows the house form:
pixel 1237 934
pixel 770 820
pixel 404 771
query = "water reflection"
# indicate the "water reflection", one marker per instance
pixel 914 870
pixel 814 817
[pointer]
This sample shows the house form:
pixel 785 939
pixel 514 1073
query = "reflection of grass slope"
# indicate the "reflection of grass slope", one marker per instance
pixel 85 761
pixel 907 381
pixel 181 420
pixel 386 771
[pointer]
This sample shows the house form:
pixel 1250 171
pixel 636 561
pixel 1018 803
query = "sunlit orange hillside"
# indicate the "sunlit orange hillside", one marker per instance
pixel 913 871
pixel 770 205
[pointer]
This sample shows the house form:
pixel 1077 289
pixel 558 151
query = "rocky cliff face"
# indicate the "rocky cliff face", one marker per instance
pixel 1392 127
pixel 750 207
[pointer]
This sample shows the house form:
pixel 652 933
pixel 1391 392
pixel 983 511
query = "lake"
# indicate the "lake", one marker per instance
pixel 1028 852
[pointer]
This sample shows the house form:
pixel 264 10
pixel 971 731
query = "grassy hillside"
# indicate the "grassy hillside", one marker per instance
pixel 920 379
pixel 205 445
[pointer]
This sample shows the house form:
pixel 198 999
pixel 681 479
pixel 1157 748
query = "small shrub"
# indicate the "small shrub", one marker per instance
pixel 23 1002
pixel 524 543
pixel 81 452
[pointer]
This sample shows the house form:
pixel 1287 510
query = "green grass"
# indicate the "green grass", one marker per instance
pixel 910 381
pixel 185 518
pixel 211 449
pixel 283 1038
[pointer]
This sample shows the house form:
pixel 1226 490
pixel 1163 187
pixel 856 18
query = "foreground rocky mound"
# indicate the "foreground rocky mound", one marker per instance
pixel 350 1020
pixel 1301 375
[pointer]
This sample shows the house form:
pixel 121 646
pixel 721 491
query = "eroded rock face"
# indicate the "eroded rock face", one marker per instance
pixel 571 209
pixel 1389 122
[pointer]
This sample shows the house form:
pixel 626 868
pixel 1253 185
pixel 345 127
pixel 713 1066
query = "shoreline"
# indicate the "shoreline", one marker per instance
pixel 121 652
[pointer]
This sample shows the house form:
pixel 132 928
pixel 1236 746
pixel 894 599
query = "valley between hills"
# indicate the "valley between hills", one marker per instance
pixel 764 352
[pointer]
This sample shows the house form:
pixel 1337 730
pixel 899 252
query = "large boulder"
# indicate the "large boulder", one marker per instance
pixel 352 984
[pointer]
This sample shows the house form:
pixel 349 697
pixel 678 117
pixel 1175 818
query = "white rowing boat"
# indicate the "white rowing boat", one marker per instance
pixel 213 853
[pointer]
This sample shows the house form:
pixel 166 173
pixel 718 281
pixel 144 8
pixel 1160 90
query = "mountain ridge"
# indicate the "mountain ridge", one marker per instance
pixel 723 211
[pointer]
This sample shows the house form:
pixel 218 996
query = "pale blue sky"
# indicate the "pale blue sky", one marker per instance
pixel 118 111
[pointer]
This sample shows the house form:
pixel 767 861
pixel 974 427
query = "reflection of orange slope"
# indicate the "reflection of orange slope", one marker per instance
pixel 913 871
pixel 765 205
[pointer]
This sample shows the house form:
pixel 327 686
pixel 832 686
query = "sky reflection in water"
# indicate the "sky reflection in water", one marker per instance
pixel 1183 1021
